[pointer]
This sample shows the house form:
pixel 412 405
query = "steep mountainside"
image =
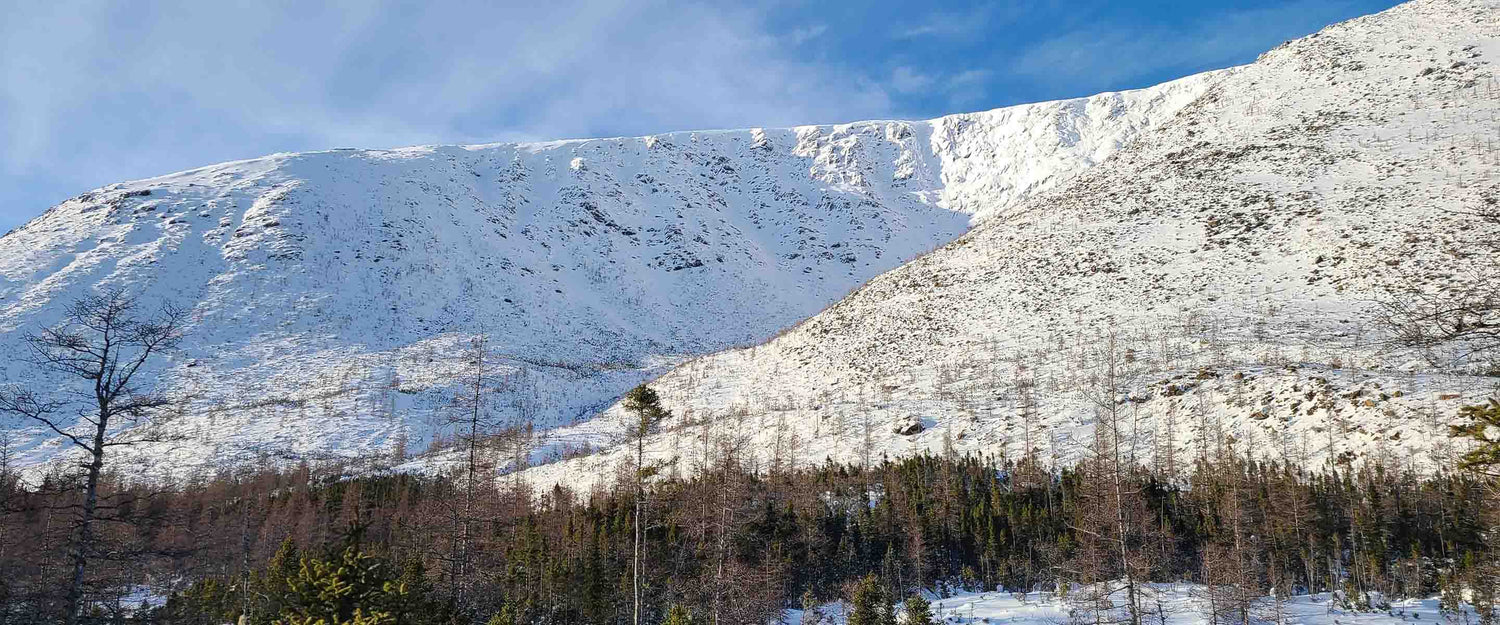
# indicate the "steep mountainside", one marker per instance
pixel 331 292
pixel 1237 253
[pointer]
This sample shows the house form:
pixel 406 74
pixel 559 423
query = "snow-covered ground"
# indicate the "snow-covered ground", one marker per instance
pixel 1239 251
pixel 1181 602
pixel 330 292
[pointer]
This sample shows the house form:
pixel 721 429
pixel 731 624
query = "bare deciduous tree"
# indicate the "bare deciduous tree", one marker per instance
pixel 1116 526
pixel 1470 316
pixel 473 423
pixel 98 350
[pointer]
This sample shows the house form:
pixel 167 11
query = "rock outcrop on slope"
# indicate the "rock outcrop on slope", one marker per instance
pixel 1237 254
pixel 330 293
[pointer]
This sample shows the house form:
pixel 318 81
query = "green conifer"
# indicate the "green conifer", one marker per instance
pixel 678 615
pixel 918 611
pixel 1482 425
pixel 868 602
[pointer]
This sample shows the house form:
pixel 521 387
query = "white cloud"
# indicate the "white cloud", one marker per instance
pixel 98 92
pixel 974 22
pixel 969 77
pixel 967 87
pixel 808 33
pixel 961 89
pixel 907 80
pixel 944 24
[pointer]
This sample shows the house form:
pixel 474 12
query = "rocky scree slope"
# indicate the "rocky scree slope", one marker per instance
pixel 1236 253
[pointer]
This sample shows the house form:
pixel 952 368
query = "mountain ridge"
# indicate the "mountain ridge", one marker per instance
pixel 331 291
pixel 1235 255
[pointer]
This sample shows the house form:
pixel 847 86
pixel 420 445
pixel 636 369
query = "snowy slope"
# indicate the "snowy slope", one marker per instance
pixel 1238 251
pixel 1182 604
pixel 330 291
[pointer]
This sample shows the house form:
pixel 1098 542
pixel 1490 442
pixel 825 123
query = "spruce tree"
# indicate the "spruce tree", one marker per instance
pixel 918 611
pixel 505 616
pixel 868 602
pixel 887 614
pixel 644 405
pixel 810 614
pixel 352 589
pixel 1451 593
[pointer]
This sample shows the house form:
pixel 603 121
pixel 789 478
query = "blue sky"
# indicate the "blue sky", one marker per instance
pixel 98 92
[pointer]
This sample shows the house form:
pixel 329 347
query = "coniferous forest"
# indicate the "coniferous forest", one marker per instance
pixel 738 543
pixel 733 539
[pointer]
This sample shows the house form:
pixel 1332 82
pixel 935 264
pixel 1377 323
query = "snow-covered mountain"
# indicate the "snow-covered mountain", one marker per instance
pixel 1238 253
pixel 331 292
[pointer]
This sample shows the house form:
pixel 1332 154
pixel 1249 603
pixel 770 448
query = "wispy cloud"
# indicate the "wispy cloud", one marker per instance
pixel 968 77
pixel 99 92
pixel 805 34
pixel 947 24
pixel 967 87
pixel 960 89
pixel 907 80
pixel 972 22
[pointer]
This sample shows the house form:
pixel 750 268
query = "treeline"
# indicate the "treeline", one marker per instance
pixel 738 545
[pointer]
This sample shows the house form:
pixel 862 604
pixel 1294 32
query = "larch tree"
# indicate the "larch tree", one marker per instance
pixel 1231 568
pixel 96 352
pixel 1115 524
pixel 473 423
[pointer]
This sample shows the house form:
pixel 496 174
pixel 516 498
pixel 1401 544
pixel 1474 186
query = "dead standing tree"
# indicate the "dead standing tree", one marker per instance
pixel 1116 525
pixel 98 349
pixel 473 424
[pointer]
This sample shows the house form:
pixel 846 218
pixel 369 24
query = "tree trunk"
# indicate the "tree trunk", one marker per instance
pixel 465 531
pixel 1123 533
pixel 82 542
pixel 1117 468
pixel 640 453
